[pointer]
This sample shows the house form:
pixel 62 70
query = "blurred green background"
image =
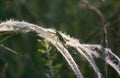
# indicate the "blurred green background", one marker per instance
pixel 38 59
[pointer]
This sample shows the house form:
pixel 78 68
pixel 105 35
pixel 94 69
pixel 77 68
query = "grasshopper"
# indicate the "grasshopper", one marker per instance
pixel 63 40
pixel 60 37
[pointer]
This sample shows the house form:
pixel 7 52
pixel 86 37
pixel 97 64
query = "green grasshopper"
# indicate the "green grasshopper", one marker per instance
pixel 60 37
pixel 63 40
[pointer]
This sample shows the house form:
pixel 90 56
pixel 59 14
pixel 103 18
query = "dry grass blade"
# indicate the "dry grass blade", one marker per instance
pixel 88 51
pixel 109 57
